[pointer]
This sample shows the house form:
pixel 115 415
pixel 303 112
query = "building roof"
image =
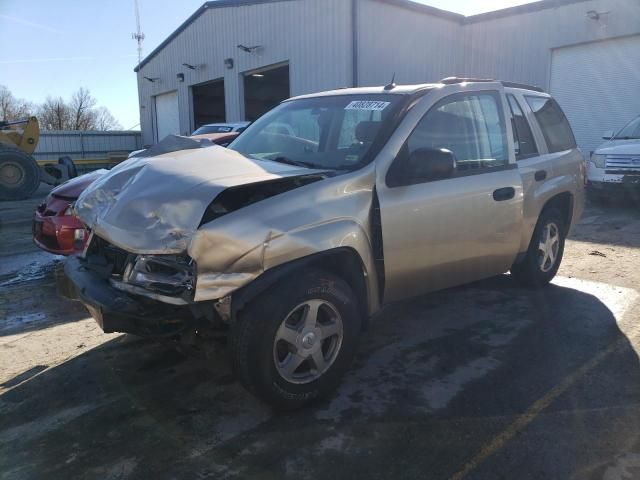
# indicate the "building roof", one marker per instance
pixel 194 16
pixel 408 4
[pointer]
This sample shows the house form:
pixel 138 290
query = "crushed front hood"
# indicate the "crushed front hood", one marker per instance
pixel 155 204
pixel 71 189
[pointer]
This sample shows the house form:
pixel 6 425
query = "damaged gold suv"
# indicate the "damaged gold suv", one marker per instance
pixel 325 208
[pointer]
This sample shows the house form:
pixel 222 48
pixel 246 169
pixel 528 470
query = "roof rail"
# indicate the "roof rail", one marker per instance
pixel 454 80
pixel 523 85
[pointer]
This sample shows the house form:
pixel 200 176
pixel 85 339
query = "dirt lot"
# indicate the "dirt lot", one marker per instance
pixel 488 381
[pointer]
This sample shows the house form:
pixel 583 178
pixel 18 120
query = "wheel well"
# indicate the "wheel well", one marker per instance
pixel 343 262
pixel 346 264
pixel 564 203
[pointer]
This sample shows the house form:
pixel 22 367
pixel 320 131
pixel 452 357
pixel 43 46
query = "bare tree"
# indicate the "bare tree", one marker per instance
pixel 104 120
pixel 79 113
pixel 81 106
pixel 12 108
pixel 55 114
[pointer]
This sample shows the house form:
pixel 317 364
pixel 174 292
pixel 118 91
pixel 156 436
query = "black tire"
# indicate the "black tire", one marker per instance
pixel 71 167
pixel 253 346
pixel 530 271
pixel 19 174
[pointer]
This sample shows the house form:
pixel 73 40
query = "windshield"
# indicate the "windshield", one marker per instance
pixel 323 132
pixel 631 130
pixel 213 129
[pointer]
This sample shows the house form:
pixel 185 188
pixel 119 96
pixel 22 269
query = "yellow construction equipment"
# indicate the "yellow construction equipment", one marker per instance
pixel 20 174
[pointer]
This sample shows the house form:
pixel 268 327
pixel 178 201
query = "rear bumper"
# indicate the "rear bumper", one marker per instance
pixel 116 311
pixel 56 234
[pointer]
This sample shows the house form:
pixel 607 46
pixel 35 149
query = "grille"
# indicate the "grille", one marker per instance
pixel 623 163
pixel 113 255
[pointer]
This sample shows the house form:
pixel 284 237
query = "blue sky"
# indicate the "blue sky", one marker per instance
pixel 53 47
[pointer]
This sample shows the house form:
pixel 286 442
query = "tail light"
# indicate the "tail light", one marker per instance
pixel 79 234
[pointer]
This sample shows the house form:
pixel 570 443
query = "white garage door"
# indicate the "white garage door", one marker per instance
pixel 598 86
pixel 167 119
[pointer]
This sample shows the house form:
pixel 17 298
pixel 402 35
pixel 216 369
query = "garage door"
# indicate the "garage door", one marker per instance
pixel 598 86
pixel 167 119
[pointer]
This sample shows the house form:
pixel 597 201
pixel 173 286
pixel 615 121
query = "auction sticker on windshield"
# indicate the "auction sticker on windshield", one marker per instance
pixel 370 105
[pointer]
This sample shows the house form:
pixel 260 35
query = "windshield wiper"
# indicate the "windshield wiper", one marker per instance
pixel 626 138
pixel 297 163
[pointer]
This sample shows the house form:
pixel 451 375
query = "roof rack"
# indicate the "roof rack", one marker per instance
pixel 523 85
pixel 454 80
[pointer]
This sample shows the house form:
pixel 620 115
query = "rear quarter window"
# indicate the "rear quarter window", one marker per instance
pixel 554 125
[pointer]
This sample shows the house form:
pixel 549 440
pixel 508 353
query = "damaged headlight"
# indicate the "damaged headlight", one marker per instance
pixel 166 275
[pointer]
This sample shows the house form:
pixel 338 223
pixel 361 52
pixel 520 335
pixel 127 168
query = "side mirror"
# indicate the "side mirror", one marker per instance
pixel 608 135
pixel 431 163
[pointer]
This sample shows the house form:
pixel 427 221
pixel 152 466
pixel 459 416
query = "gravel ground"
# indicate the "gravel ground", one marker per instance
pixel 486 381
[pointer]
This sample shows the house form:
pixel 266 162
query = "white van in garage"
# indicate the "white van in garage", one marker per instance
pixel 615 165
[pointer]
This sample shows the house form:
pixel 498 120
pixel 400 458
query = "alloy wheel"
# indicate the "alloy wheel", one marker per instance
pixel 308 341
pixel 548 247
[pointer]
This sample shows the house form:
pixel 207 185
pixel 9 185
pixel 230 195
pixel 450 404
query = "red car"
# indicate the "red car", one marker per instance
pixel 57 231
pixel 54 228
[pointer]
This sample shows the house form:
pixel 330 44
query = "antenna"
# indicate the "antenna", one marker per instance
pixel 138 36
pixel 391 85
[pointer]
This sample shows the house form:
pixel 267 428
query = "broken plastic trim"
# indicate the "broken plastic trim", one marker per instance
pixel 167 276
pixel 235 198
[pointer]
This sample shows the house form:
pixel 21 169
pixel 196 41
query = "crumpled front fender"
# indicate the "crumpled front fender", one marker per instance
pixel 233 250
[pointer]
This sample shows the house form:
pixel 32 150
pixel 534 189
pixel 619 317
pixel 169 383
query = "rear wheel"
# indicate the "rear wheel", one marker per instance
pixel 19 174
pixel 544 255
pixel 293 344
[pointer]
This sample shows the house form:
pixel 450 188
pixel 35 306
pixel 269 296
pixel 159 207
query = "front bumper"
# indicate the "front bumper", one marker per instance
pixel 607 179
pixel 627 184
pixel 117 311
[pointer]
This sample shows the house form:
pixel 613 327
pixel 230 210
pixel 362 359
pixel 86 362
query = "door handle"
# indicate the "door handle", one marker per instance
pixel 502 194
pixel 540 175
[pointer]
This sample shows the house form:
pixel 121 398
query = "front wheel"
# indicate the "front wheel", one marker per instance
pixel 544 255
pixel 293 344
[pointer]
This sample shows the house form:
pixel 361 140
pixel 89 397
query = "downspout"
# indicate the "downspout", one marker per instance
pixel 354 42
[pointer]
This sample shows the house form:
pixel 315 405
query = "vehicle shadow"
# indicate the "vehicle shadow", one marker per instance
pixel 437 378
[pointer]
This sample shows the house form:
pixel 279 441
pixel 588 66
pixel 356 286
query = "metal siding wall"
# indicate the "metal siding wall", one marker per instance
pixel 518 47
pixel 313 36
pixel 54 144
pixel 418 47
pixel 598 86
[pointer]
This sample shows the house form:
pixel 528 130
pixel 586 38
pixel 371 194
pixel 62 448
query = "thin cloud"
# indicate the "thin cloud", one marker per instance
pixel 42 60
pixel 27 23
pixel 61 59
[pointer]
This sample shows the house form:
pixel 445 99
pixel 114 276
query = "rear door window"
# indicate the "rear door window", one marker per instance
pixel 554 125
pixel 525 145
